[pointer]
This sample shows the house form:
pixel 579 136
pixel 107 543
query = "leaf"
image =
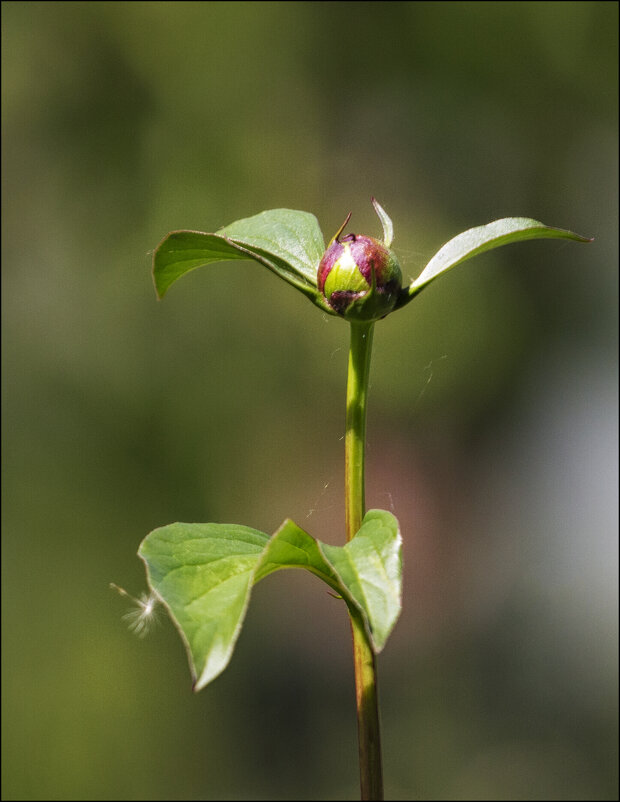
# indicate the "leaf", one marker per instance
pixel 292 236
pixel 483 238
pixel 388 226
pixel 204 573
pixel 287 242
pixel 370 568
pixel 291 547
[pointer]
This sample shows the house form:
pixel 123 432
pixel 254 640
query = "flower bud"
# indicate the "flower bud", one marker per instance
pixel 359 277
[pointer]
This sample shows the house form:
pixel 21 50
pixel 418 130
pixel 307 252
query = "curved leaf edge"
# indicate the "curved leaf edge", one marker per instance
pixel 330 576
pixel 460 248
pixel 378 636
pixel 206 675
pixel 233 250
pixel 480 239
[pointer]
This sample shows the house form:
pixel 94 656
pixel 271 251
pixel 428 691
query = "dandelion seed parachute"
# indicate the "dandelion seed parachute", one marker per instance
pixel 141 618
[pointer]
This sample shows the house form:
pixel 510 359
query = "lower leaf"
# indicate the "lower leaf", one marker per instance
pixel 204 573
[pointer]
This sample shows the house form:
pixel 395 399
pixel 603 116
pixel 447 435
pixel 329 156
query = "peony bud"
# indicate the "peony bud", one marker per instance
pixel 359 277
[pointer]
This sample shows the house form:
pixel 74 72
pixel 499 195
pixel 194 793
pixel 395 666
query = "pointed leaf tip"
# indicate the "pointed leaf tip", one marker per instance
pixel 287 242
pixel 204 573
pixel 386 222
pixel 484 238
pixel 339 232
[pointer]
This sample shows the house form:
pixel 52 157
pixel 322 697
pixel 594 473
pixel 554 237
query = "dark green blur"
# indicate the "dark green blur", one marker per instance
pixel 493 399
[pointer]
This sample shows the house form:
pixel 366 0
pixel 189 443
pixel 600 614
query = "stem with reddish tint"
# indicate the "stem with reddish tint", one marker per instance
pixel 371 774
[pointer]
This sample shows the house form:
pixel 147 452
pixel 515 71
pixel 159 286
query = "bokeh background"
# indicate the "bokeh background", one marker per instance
pixel 493 411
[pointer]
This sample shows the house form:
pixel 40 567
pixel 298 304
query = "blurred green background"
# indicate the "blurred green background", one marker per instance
pixel 493 410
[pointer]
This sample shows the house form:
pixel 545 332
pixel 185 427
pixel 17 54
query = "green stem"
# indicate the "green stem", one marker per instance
pixel 371 774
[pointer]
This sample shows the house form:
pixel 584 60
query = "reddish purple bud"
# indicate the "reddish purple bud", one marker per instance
pixel 360 277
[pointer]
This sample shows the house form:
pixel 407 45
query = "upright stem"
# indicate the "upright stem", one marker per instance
pixel 371 774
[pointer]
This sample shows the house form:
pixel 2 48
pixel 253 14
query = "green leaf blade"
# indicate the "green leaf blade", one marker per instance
pixel 484 238
pixel 203 574
pixel 292 547
pixel 292 236
pixel 369 568
pixel 287 242
pixel 182 251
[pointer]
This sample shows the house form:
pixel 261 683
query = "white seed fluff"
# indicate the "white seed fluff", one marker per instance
pixel 143 616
